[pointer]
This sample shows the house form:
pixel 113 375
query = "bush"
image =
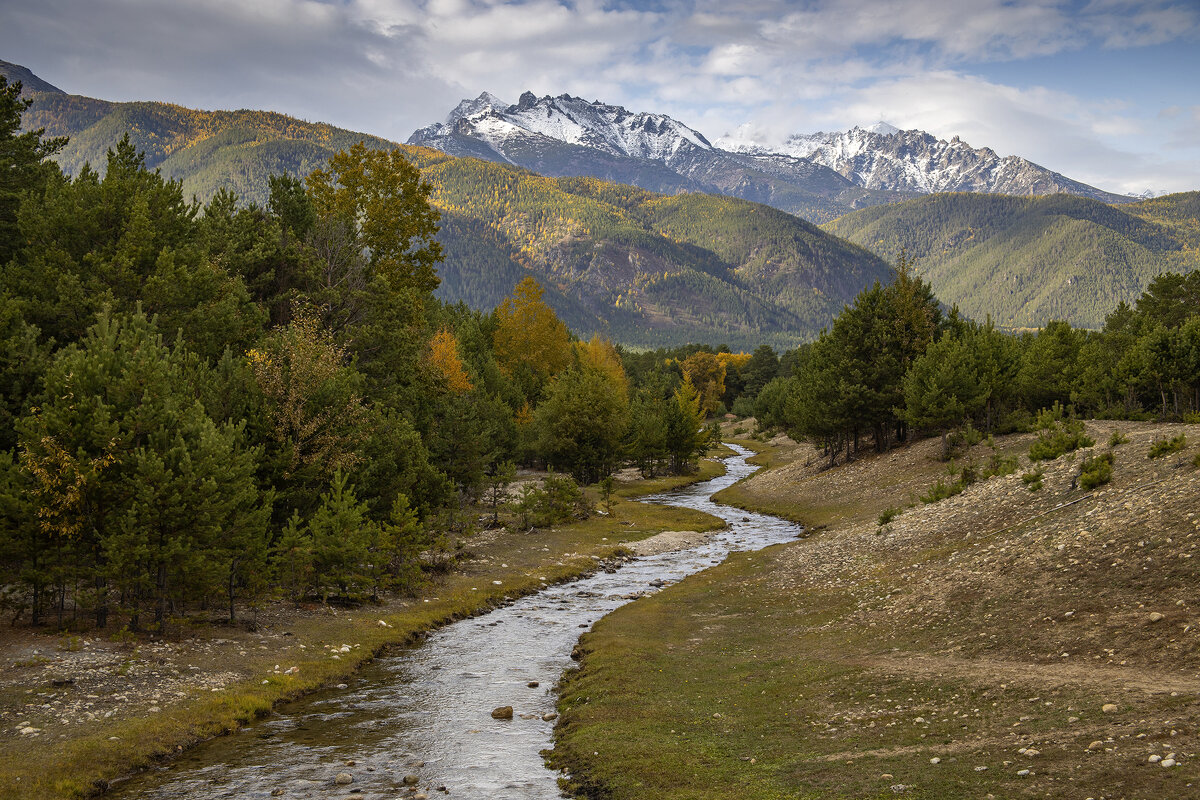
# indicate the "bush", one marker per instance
pixel 1033 480
pixel 1096 471
pixel 972 436
pixel 1060 437
pixel 1117 438
pixel 942 490
pixel 888 515
pixel 1000 465
pixel 743 407
pixel 558 499
pixel 1162 447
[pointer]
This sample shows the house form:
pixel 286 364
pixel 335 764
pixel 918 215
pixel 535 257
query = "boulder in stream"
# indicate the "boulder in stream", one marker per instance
pixel 503 712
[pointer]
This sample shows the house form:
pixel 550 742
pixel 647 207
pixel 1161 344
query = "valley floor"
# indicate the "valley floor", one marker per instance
pixel 1000 643
pixel 78 711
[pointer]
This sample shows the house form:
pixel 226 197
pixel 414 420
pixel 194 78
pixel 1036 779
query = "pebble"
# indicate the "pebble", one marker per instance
pixel 1022 772
pixel 1156 617
pixel 1154 759
pixel 550 717
pixel 411 780
pixel 502 712
pixel 344 779
pixel 1109 708
pixel 935 760
pixel 1167 762
pixel 1096 745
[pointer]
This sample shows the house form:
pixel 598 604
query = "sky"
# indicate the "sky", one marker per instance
pixel 1103 91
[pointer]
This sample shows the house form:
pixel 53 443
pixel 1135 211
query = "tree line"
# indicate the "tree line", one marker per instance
pixel 895 362
pixel 204 406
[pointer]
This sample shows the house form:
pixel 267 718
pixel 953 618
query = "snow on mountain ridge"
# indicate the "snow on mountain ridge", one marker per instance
pixel 610 129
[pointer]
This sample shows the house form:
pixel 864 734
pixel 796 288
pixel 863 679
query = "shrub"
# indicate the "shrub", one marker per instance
pixel 1162 447
pixel 1117 438
pixel 1033 480
pixel 558 499
pixel 1000 465
pixel 743 407
pixel 942 490
pixel 888 515
pixel 971 436
pixel 1062 436
pixel 1096 471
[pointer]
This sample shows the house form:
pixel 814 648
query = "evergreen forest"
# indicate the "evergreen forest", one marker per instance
pixel 222 404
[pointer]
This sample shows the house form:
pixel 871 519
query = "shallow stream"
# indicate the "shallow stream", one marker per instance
pixel 425 710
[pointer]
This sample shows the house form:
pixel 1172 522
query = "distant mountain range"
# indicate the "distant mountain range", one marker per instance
pixel 818 177
pixel 1025 260
pixel 645 269
pixel 651 269
pixel 888 159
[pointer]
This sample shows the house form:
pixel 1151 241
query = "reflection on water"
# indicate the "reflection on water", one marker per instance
pixel 425 711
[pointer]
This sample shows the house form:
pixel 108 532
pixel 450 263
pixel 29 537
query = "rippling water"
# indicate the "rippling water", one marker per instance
pixel 425 710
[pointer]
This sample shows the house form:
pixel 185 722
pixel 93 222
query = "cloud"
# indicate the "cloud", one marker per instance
pixel 390 66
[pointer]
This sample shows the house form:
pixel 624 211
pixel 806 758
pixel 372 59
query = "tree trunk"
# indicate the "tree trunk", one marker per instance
pixel 160 602
pixel 232 573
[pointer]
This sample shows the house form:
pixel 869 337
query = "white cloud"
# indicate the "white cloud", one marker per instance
pixel 389 66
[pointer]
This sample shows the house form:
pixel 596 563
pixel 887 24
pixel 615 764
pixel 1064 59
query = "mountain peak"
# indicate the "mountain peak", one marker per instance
pixel 567 119
pixel 883 128
pixel 480 105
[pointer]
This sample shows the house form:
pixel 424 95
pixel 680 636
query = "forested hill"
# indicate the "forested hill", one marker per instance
pixel 642 268
pixel 647 269
pixel 205 150
pixel 1027 260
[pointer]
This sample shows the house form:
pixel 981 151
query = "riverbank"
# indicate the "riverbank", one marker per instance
pixel 1002 643
pixel 78 712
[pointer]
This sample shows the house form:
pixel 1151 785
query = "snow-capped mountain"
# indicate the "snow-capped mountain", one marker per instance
pixel 566 136
pixel 818 176
pixel 609 129
pixel 886 158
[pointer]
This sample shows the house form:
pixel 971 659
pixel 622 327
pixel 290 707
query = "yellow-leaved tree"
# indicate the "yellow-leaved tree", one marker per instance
pixel 706 372
pixel 380 198
pixel 531 342
pixel 446 364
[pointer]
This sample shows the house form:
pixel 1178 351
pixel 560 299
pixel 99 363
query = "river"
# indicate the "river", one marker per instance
pixel 425 710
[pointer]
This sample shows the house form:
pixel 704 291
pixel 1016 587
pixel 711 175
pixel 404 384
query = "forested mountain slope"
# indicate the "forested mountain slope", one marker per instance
pixel 205 150
pixel 647 269
pixel 1026 260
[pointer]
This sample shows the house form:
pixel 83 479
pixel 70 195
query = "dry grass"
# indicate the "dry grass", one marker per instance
pixel 968 631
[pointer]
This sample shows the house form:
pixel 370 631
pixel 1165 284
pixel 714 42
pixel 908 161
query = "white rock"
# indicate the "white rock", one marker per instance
pixel 1167 762
pixel 935 760
pixel 1154 759
pixel 1109 708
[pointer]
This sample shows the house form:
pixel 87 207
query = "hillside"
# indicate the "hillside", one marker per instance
pixel 644 268
pixel 1002 643
pixel 1026 260
pixel 205 150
